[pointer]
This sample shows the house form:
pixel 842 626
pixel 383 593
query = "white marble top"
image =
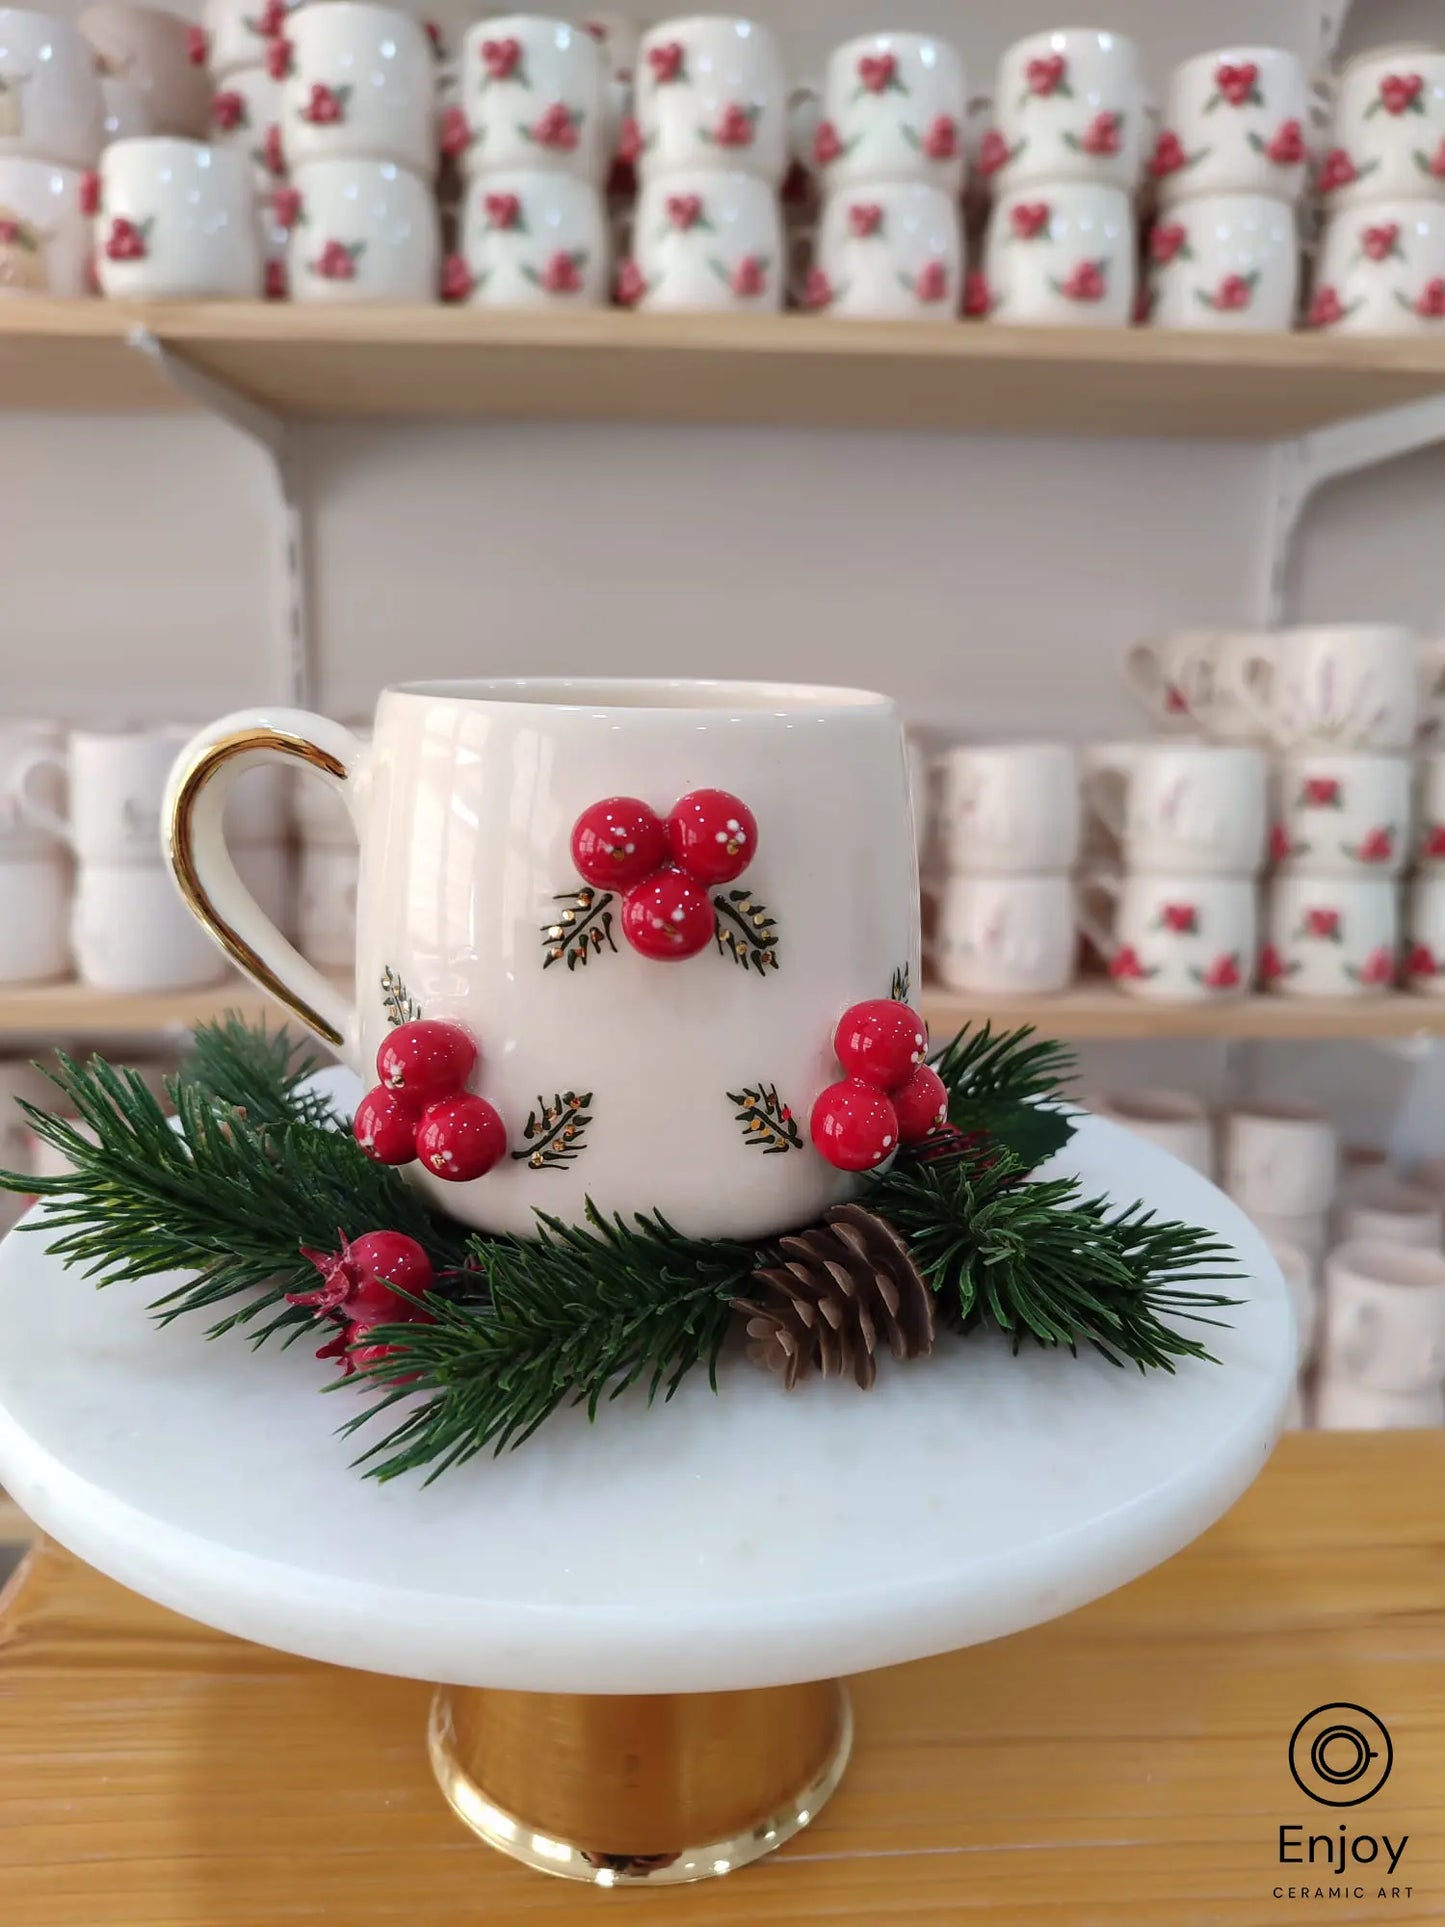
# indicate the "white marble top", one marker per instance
pixel 747 1539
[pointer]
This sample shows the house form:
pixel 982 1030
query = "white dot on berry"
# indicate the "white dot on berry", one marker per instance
pixel 887 1140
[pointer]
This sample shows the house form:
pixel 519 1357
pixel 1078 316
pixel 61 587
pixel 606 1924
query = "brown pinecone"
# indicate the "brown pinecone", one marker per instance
pixel 847 1288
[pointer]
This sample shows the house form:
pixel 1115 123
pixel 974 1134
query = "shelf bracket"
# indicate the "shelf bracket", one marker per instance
pixel 1305 465
pixel 291 678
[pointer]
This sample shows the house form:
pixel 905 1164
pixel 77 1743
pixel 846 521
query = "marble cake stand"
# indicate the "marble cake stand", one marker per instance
pixel 620 1615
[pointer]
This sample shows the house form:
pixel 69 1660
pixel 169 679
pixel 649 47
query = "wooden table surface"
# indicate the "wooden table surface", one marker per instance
pixel 1126 1765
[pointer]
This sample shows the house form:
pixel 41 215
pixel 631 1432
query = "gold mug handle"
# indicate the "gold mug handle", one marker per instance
pixel 195 847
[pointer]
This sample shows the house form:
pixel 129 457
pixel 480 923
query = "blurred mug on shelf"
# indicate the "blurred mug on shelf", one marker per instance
pixel 534 240
pixel 1068 107
pixel 151 52
pixel 1341 813
pixel 1175 938
pixel 32 787
pixel 1234 123
pixel 1424 966
pixel 892 110
pixel 533 95
pixel 1299 1271
pixel 711 92
pixel 1331 936
pixel 50 101
pixel 1009 808
pixel 1174 1121
pixel 1384 1211
pixel 1062 255
pixel 363 231
pixel 177 221
pixel 1186 681
pixel 1353 685
pixel 116 780
pixel 1381 270
pixel 359 84
pixel 34 919
pixel 1280 1158
pixel 45 238
pixel 893 250
pixel 1389 123
pixel 706 242
pixel 1005 935
pixel 1226 261
pixel 133 933
pixel 1384 1327
pixel 1183 807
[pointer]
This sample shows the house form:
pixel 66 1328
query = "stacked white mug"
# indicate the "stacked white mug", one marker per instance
pixel 1229 169
pixel 889 150
pixel 1064 155
pixel 1381 266
pixel 1382 1355
pixel 1179 924
pixel 1424 965
pixel 51 129
pixel 248 53
pixel 1281 1165
pixel 358 129
pixel 34 870
pixel 529 139
pixel 1008 830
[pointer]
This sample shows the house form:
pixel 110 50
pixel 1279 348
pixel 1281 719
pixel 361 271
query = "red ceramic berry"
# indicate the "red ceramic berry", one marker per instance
pixel 387 1261
pixel 882 1042
pixel 385 1126
pixel 921 1105
pixel 853 1126
pixel 714 836
pixel 461 1138
pixel 618 842
pixel 669 916
pixel 427 1060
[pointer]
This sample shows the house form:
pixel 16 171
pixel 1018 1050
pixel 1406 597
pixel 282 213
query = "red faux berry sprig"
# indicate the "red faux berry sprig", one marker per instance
pixel 889 1095
pixel 361 1287
pixel 664 868
pixel 422 1108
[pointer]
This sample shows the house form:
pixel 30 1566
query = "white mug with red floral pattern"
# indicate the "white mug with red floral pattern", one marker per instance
pixel 1174 938
pixel 1429 811
pixel 892 110
pixel 1186 681
pixel 50 101
pixel 1003 935
pixel 1068 106
pixel 1331 936
pixel 1009 808
pixel 1424 967
pixel 360 84
pixel 1234 123
pixel 710 93
pixel 246 113
pixel 364 231
pixel 894 250
pixel 1183 808
pixel 534 92
pixel 1348 685
pixel 1224 261
pixel 1381 270
pixel 532 240
pixel 239 33
pixel 1388 138
pixel 176 221
pixel 705 241
pixel 1062 256
pixel 1341 813
pixel 668 980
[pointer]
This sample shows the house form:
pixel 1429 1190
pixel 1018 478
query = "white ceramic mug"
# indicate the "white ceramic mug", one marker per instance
pixel 1224 261
pixel 359 84
pixel 366 231
pixel 1342 1406
pixel 1234 123
pixel 50 103
pixel 711 92
pixel 1175 1121
pixel 1193 808
pixel 1186 681
pixel 1384 1326
pixel 894 251
pixel 326 903
pixel 1331 936
pixel 706 241
pixel 1301 1281
pixel 241 33
pixel 1280 1158
pixel 1424 965
pixel 148 70
pixel 1061 255
pixel 1174 938
pixel 245 113
pixel 1345 685
pixel 1429 810
pixel 177 222
pixel 116 780
pixel 1382 1210
pixel 534 240
pixel 45 239
pixel 131 932
pixel 533 96
pixel 32 786
pixel 34 919
pixel 892 110
pixel 1009 808
pixel 1341 813
pixel 1381 270
pixel 1007 934
pixel 1388 137
pixel 477 924
pixel 1069 106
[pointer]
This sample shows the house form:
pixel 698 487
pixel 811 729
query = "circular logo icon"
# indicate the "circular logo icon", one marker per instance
pixel 1340 1754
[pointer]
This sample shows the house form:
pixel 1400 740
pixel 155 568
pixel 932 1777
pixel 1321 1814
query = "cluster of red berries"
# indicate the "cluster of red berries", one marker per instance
pixel 422 1108
pixel 361 1287
pixel 665 866
pixel 889 1095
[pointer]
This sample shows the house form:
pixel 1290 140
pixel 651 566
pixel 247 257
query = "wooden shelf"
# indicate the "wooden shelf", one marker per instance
pixel 1092 1010
pixel 601 364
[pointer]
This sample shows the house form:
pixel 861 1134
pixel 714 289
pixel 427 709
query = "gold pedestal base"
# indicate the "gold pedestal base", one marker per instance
pixel 630 1789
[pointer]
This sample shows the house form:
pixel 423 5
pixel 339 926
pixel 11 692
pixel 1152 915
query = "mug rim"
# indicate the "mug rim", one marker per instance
pixel 639 695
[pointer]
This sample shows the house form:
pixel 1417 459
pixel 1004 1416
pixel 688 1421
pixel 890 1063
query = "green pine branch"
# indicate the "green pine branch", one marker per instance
pixel 1006 1084
pixel 260 1072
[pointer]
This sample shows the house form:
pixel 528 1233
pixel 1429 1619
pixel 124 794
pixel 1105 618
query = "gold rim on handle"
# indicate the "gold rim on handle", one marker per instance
pixel 180 846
